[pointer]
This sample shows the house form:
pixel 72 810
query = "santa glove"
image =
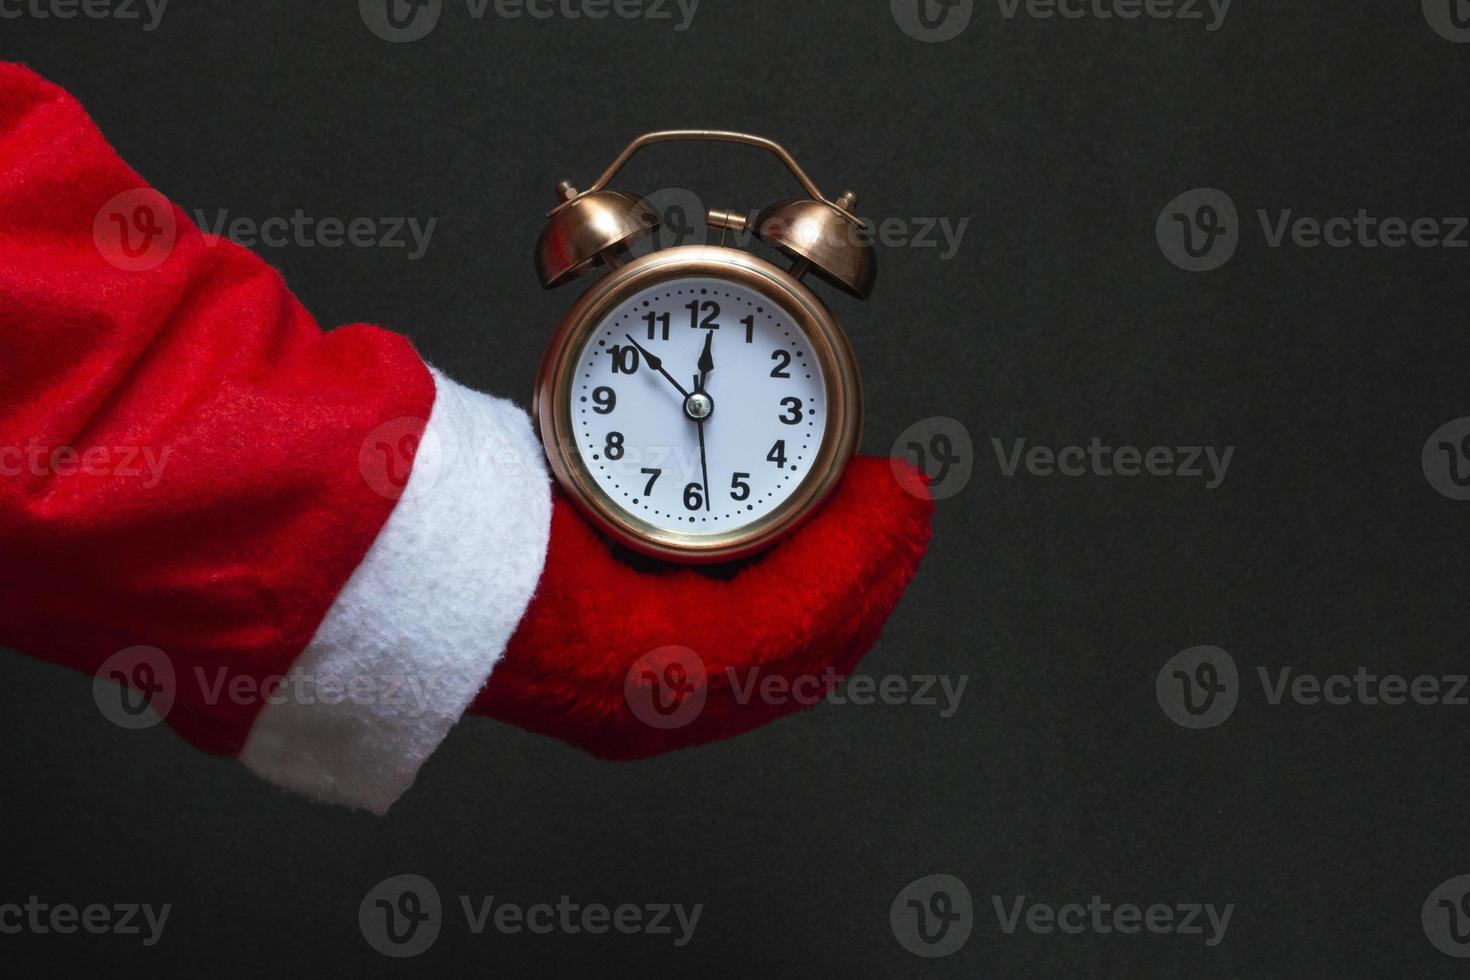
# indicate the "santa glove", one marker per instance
pixel 311 550
pixel 628 658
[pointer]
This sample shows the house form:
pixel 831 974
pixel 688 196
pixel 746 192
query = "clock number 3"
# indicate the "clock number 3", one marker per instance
pixel 792 415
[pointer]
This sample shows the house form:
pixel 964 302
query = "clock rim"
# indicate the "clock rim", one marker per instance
pixel 551 403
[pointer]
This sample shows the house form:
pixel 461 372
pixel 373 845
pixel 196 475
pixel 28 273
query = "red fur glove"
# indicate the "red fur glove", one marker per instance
pixel 628 658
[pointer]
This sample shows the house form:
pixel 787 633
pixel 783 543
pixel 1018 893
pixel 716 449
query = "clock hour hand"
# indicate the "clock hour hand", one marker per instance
pixel 706 359
pixel 655 362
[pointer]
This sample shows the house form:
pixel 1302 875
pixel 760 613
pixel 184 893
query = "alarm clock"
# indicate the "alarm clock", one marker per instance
pixel 698 402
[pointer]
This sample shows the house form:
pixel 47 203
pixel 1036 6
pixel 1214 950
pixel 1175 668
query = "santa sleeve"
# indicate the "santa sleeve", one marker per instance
pixel 309 549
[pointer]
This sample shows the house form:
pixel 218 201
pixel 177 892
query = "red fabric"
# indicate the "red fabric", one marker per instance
pixel 265 504
pixel 261 510
pixel 817 600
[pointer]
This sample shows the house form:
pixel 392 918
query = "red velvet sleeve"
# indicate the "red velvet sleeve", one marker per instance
pixel 181 448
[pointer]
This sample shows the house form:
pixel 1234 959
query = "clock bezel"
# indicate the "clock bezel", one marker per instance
pixel 555 386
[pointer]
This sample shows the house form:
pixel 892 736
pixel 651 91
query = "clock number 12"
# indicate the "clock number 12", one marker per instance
pixel 710 311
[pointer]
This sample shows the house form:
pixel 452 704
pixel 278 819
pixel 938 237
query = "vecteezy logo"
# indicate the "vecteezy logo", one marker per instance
pixel 398 449
pixel 666 688
pixel 680 213
pixel 400 21
pixel 676 221
pixel 136 230
pixel 932 21
pixel 134 688
pixel 1198 687
pixel 941 449
pixel 1446 917
pixel 1199 230
pixel 1446 459
pixel 933 916
pixel 1449 18
pixel 401 916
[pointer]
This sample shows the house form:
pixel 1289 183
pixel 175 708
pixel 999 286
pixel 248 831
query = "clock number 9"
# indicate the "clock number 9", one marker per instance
pixel 605 399
pixel 793 411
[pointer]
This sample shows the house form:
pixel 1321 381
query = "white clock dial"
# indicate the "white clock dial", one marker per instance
pixel 636 404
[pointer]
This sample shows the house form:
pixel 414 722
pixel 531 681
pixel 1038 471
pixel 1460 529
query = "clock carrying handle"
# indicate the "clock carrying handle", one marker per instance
pixel 713 136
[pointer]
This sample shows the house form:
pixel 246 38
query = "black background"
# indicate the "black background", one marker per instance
pixel 1060 598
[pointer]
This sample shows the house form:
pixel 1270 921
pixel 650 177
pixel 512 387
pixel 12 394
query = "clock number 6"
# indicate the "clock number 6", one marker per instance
pixel 693 497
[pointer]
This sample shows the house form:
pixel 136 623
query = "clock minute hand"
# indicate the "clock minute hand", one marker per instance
pixel 703 460
pixel 656 363
pixel 706 365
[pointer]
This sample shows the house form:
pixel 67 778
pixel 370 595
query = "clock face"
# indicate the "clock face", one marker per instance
pixel 698 406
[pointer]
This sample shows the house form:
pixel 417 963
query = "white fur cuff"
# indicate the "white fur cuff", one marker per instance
pixel 417 629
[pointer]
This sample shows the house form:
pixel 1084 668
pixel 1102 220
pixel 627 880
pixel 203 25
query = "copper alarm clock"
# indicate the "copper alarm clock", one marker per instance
pixel 698 402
